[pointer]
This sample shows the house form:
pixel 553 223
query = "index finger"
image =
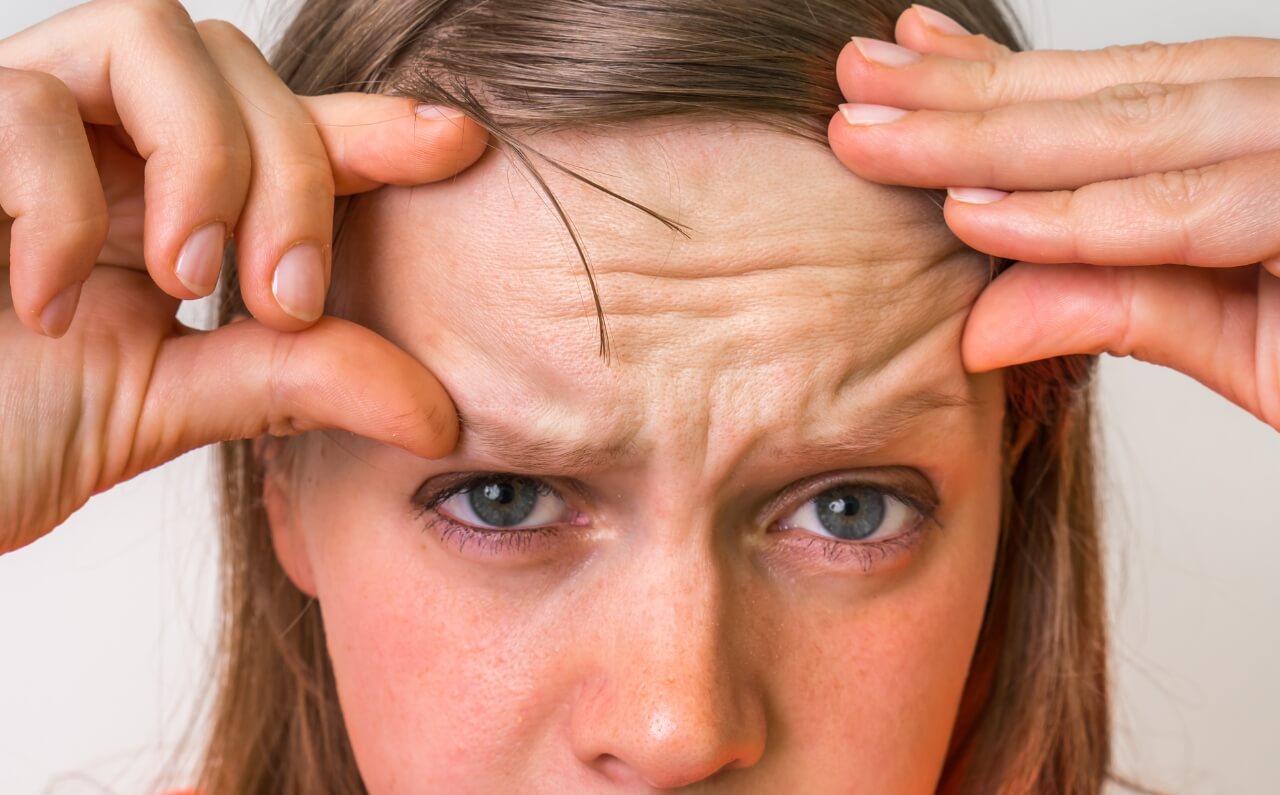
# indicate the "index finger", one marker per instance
pixel 940 82
pixel 141 65
pixel 374 140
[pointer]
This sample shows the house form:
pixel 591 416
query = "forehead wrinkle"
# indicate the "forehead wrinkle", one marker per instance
pixel 722 201
pixel 833 284
pixel 490 437
pixel 923 315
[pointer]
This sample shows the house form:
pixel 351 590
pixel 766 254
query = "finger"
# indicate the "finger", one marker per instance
pixel 286 230
pixel 926 30
pixel 141 65
pixel 1122 131
pixel 1217 216
pixel 244 380
pixel 1206 324
pixel 375 140
pixel 6 294
pixel 49 187
pixel 950 83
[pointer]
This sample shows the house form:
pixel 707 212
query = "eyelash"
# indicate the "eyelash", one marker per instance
pixel 492 541
pixel 869 553
pixel 498 541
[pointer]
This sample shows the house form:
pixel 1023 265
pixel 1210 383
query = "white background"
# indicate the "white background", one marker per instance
pixel 106 626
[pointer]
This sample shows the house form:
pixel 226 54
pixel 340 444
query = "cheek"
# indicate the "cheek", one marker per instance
pixel 873 687
pixel 436 681
pixel 875 691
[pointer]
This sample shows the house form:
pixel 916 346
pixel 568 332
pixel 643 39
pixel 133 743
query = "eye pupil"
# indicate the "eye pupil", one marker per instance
pixel 504 502
pixel 499 492
pixel 851 512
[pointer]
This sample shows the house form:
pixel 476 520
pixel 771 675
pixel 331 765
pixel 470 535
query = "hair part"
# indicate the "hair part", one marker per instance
pixel 1034 716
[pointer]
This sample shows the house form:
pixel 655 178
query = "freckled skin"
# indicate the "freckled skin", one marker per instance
pixel 672 641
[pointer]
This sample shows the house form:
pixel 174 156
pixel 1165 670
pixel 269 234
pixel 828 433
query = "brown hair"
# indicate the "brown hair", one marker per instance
pixel 1034 716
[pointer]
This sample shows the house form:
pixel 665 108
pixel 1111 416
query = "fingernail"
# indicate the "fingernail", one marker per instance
pixel 862 115
pixel 885 53
pixel 200 260
pixel 976 195
pixel 299 282
pixel 939 22
pixel 57 314
pixel 439 112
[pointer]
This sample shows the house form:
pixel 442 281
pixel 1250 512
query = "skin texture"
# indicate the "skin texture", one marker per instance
pixel 671 631
pixel 668 632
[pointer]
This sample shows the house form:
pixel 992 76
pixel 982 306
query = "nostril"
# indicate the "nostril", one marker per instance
pixel 615 770
pixel 662 773
pixel 677 777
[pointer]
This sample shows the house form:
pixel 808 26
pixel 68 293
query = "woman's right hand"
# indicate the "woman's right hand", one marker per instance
pixel 135 144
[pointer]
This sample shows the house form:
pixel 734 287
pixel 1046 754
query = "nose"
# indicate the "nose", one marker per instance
pixel 670 698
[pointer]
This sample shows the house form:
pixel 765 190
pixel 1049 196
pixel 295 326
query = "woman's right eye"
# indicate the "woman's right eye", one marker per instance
pixel 505 502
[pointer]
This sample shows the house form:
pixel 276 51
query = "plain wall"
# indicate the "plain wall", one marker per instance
pixel 107 625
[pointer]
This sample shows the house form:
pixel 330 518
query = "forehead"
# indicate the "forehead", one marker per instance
pixel 794 279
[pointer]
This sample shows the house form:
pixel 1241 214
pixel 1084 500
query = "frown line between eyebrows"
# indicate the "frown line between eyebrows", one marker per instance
pixel 529 454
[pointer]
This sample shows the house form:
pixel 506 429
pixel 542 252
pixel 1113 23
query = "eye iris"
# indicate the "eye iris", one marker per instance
pixel 851 512
pixel 505 502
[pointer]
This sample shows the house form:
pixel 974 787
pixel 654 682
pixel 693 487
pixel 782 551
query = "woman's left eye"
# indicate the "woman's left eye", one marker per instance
pixel 854 512
pixel 504 502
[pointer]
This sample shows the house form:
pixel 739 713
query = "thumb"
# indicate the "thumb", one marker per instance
pixel 1201 321
pixel 376 140
pixel 244 380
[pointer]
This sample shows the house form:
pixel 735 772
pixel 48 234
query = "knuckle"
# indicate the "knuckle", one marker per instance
pixel 217 171
pixel 1176 193
pixel 222 160
pixel 1145 58
pixel 1002 80
pixel 85 229
pixel 307 179
pixel 283 390
pixel 223 31
pixel 30 93
pixel 989 81
pixel 152 15
pixel 1179 199
pixel 998 50
pixel 1135 104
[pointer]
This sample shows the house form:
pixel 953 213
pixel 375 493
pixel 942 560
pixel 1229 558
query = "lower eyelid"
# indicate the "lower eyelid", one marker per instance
pixel 868 555
pixel 497 542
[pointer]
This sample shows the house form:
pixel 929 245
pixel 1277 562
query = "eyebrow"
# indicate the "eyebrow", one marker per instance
pixel 533 454
pixel 875 430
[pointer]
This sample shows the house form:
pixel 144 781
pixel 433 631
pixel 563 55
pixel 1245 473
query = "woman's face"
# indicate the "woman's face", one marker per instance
pixel 750 551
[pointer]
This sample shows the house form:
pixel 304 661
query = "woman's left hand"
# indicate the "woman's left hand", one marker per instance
pixel 1143 184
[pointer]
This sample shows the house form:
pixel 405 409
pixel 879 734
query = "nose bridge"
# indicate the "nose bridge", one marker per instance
pixel 669 701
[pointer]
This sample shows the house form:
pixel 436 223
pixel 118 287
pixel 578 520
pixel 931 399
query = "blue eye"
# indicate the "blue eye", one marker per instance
pixel 854 512
pixel 504 502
